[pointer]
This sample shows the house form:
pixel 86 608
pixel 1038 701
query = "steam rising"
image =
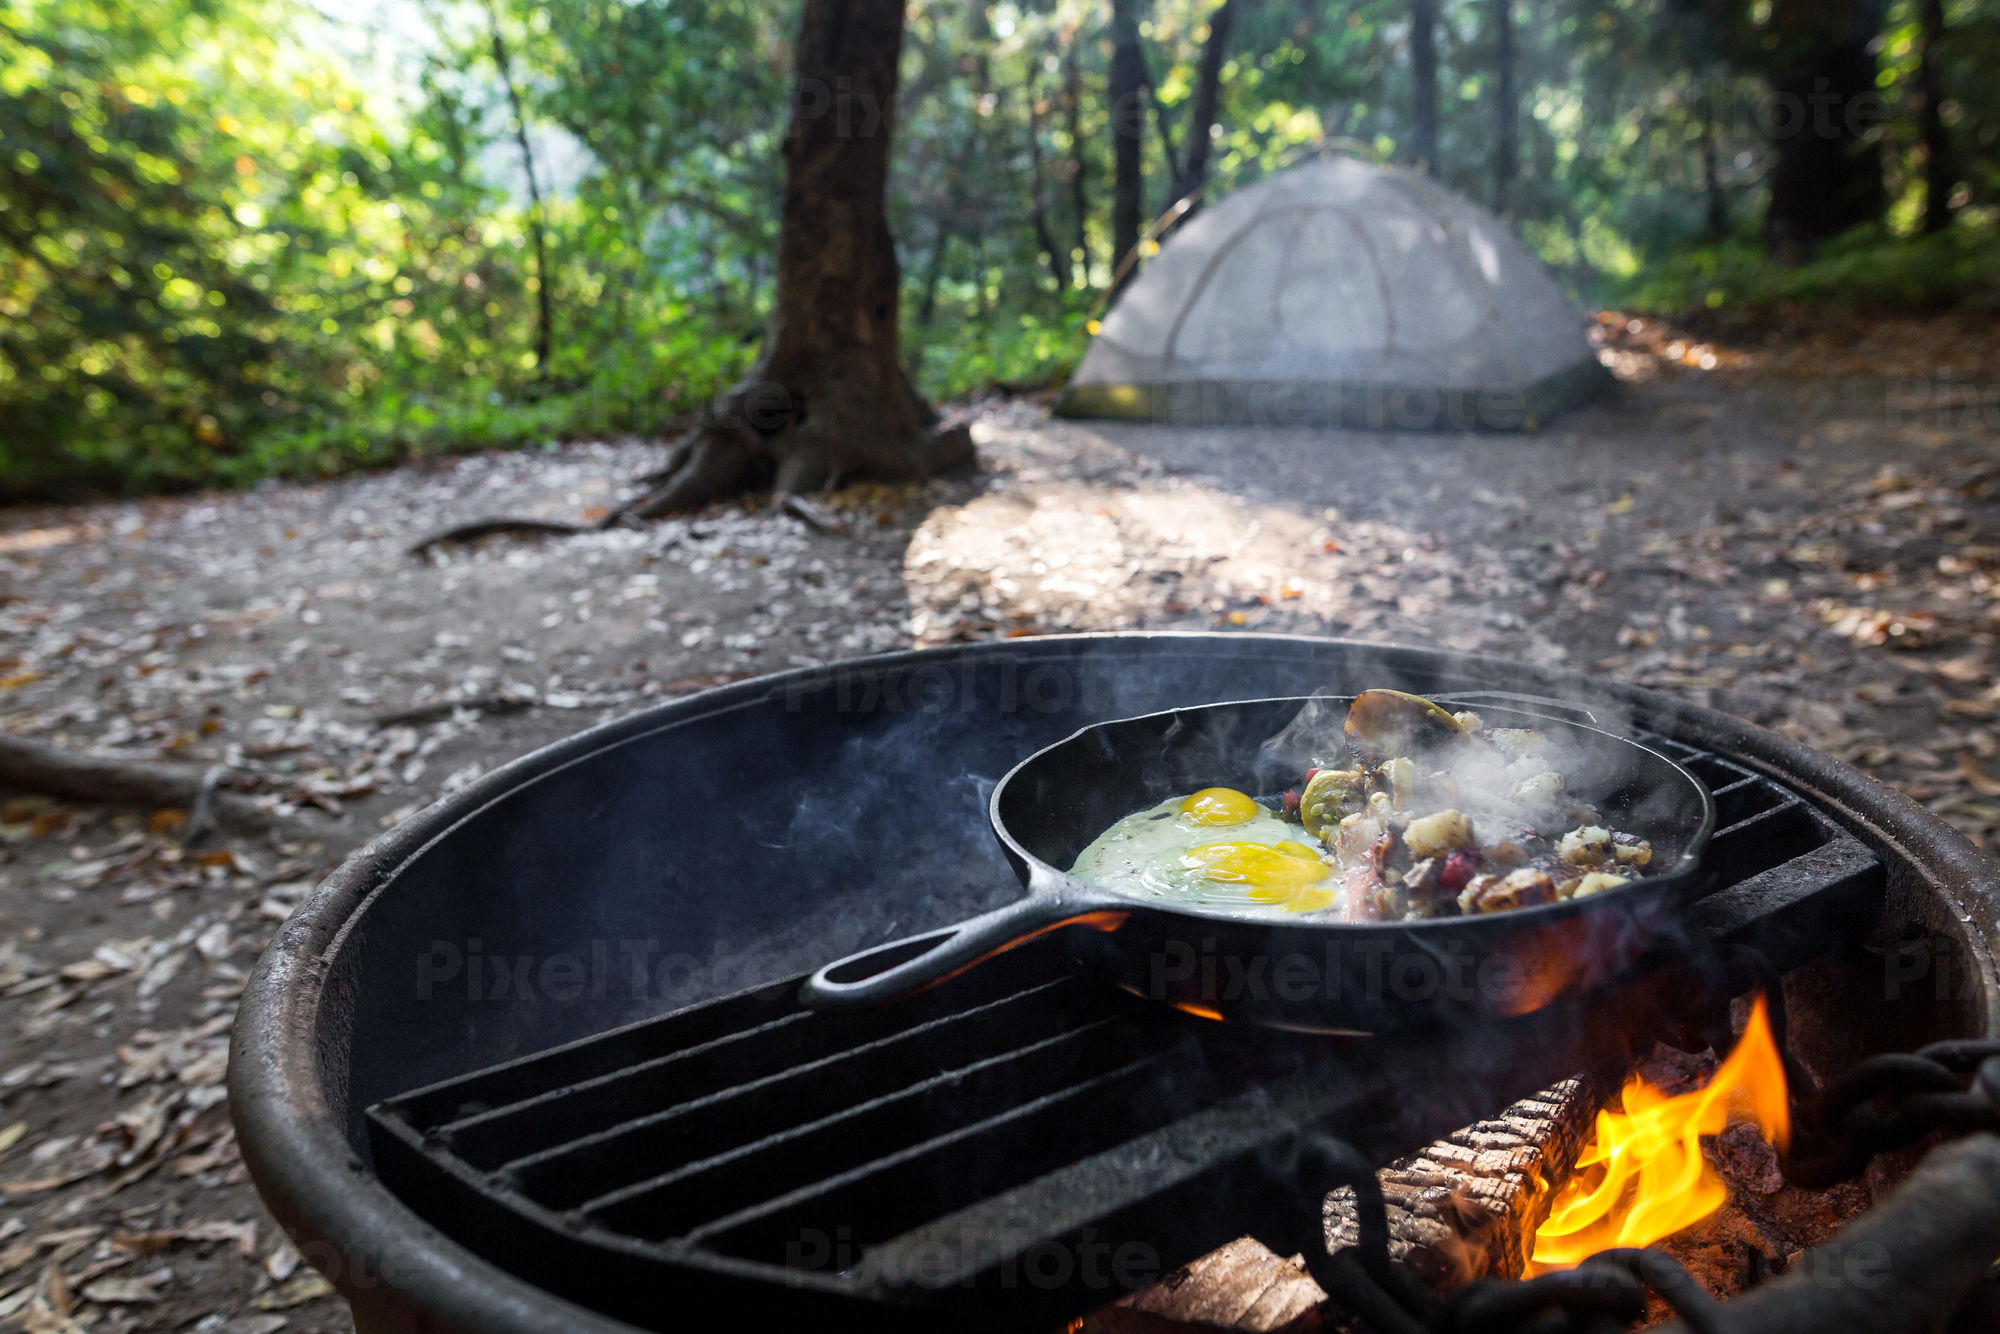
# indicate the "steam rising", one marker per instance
pixel 1522 778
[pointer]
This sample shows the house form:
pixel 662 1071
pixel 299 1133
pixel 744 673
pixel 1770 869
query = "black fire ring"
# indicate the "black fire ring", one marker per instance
pixel 726 844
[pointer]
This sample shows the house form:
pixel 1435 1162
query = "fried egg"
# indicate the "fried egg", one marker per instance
pixel 1217 847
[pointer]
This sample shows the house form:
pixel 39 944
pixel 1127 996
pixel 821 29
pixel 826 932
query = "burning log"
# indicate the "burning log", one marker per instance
pixel 1645 1175
pixel 1243 1286
pixel 1467 1206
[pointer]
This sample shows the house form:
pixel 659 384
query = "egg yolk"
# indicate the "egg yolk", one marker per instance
pixel 1285 874
pixel 1218 805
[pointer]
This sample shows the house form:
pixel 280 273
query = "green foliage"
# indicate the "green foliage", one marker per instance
pixel 215 264
pixel 229 251
pixel 1867 269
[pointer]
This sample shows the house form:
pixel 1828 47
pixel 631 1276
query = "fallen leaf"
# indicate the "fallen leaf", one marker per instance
pixel 222 1153
pixel 259 1324
pixel 242 1235
pixel 86 970
pixel 61 1244
pixel 39 1184
pixel 307 1287
pixel 282 1262
pixel 1980 781
pixel 56 1291
pixel 128 1291
pixel 161 973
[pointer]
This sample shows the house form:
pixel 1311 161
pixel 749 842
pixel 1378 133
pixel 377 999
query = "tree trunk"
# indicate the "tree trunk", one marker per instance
pixel 933 271
pixel 1079 194
pixel 1207 98
pixel 1128 126
pixel 828 398
pixel 536 235
pixel 1506 150
pixel 1164 121
pixel 1424 84
pixel 1828 176
pixel 1038 202
pixel 1938 175
pixel 972 219
pixel 1717 224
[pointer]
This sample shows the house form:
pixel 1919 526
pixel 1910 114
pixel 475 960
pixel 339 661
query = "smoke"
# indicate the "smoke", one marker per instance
pixel 1312 739
pixel 752 842
pixel 1582 742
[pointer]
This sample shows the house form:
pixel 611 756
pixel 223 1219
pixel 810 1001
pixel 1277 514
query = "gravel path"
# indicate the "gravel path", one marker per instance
pixel 1819 557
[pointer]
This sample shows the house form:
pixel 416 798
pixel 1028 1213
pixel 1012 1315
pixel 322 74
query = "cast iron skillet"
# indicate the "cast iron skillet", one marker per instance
pixel 1297 971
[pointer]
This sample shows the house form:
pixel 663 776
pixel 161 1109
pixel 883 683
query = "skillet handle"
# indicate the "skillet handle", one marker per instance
pixel 901 967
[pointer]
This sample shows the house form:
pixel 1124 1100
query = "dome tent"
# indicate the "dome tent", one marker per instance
pixel 1345 294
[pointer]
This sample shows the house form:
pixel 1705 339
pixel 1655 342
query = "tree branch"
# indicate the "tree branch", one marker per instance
pixel 34 766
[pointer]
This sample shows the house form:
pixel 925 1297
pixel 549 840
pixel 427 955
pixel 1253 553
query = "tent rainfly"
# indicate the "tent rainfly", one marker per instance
pixel 1339 293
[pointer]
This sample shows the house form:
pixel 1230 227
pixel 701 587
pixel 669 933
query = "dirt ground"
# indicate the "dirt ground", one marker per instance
pixel 1808 538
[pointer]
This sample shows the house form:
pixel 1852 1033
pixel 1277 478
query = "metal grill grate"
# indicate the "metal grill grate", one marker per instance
pixel 1015 1146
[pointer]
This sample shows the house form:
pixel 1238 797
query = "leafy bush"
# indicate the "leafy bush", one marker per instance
pixel 1866 269
pixel 215 265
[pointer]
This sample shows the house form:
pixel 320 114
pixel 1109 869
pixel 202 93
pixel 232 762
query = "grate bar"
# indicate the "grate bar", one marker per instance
pixel 875 1128
pixel 893 1193
pixel 1018 1106
pixel 768 1099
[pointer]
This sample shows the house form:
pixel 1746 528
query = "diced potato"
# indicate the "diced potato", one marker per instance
pixel 1596 883
pixel 1438 834
pixel 1469 720
pixel 1474 892
pixel 1356 835
pixel 1540 789
pixel 1631 851
pixel 1401 775
pixel 1517 889
pixel 1587 846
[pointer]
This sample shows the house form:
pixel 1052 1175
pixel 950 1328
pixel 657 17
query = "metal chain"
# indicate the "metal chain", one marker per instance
pixel 1894 1099
pixel 1881 1103
pixel 1604 1293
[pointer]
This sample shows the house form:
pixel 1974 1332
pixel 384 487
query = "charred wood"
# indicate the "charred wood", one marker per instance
pixel 1468 1205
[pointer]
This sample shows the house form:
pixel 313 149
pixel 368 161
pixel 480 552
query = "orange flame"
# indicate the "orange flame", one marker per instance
pixel 1643 1176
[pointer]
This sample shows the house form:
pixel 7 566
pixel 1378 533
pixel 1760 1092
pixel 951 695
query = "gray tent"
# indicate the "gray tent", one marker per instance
pixel 1339 293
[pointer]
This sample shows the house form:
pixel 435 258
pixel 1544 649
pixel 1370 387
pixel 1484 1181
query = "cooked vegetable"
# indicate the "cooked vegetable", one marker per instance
pixel 1384 724
pixel 1329 794
pixel 1443 816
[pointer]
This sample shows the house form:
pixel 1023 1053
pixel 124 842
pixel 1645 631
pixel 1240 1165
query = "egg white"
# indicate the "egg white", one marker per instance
pixel 1141 855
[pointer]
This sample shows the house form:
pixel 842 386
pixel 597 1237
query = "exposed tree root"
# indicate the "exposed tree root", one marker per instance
pixel 811 515
pixel 437 712
pixel 723 458
pixel 731 452
pixel 478 528
pixel 34 766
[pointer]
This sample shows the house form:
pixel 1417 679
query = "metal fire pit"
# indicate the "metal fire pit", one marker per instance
pixel 468 1079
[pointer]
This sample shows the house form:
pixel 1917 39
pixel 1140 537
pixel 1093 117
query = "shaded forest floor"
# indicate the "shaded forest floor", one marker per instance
pixel 1804 531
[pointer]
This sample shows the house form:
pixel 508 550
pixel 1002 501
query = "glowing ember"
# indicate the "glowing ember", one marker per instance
pixel 1643 1176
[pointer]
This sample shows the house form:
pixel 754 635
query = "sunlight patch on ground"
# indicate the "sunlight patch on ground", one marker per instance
pixel 1170 552
pixel 38 539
